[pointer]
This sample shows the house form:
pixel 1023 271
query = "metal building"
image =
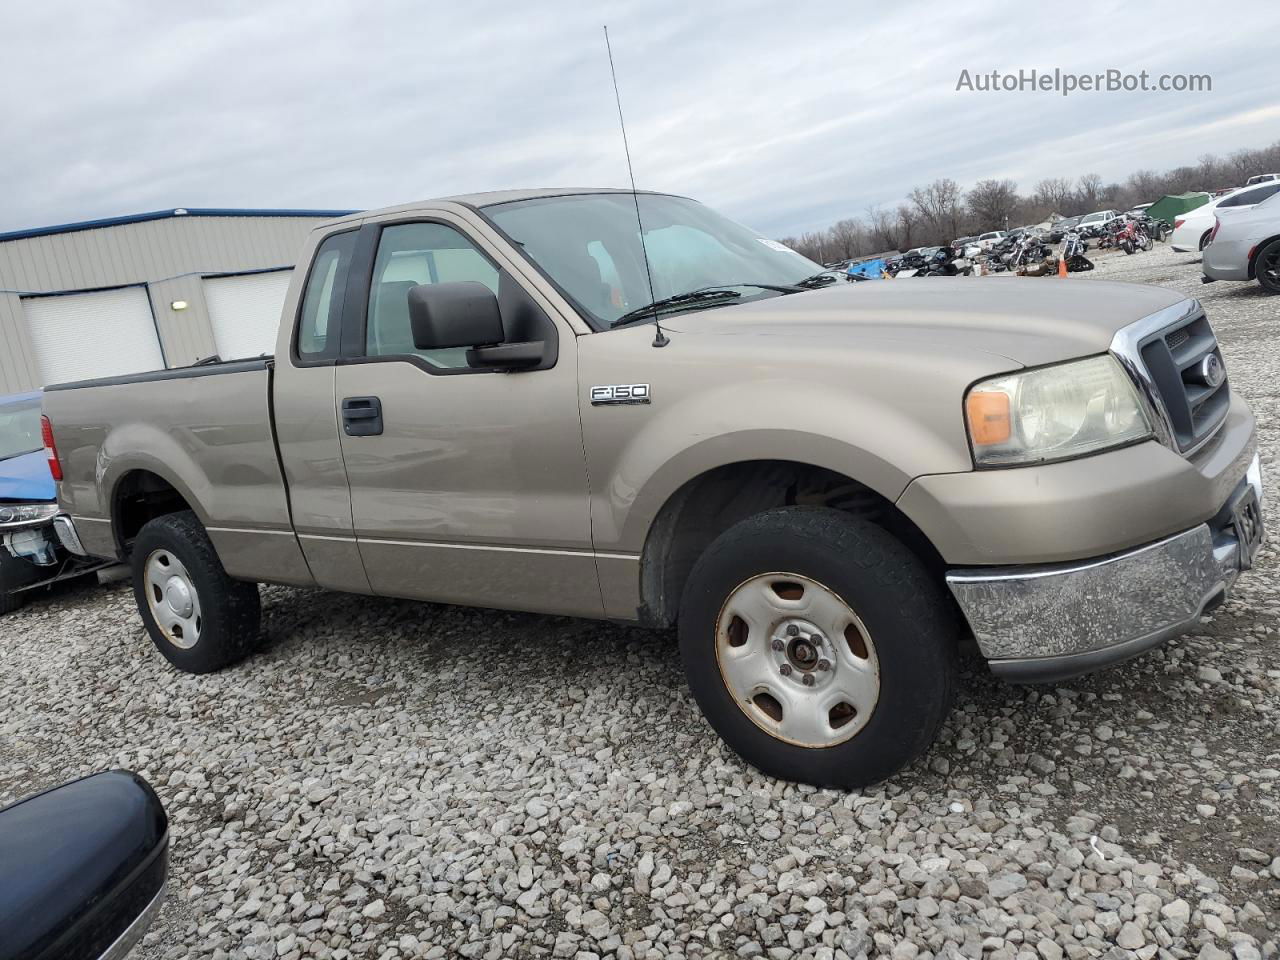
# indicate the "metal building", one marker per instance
pixel 143 292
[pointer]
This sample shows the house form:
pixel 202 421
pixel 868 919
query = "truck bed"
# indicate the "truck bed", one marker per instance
pixel 207 432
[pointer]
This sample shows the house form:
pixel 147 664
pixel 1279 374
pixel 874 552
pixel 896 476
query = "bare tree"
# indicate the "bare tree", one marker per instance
pixel 1053 195
pixel 1089 191
pixel 938 206
pixel 883 229
pixel 993 203
pixel 907 227
pixel 847 237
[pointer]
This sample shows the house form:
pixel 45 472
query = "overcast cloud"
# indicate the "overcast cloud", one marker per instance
pixel 785 116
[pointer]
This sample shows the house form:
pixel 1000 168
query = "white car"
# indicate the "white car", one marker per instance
pixel 988 240
pixel 1191 230
pixel 1246 245
pixel 1261 178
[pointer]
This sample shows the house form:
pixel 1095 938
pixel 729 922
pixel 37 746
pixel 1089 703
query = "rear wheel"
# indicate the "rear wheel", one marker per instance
pixel 198 617
pixel 1204 239
pixel 1267 267
pixel 818 646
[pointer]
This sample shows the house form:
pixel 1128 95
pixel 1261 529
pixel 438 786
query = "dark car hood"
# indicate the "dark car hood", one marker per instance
pixel 26 478
pixel 1033 320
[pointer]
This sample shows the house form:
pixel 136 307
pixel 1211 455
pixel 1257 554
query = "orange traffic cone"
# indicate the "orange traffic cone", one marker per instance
pixel 1062 266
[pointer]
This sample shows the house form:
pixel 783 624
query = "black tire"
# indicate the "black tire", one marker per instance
pixel 9 602
pixel 1127 247
pixel 1204 240
pixel 13 573
pixel 230 610
pixel 1267 267
pixel 903 608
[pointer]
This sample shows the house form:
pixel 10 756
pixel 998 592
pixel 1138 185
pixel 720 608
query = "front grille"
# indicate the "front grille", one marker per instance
pixel 1176 359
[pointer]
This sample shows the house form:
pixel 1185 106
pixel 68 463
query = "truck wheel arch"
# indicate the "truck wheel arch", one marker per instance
pixel 710 503
pixel 140 495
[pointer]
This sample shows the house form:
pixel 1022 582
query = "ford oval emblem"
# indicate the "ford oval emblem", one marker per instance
pixel 1211 371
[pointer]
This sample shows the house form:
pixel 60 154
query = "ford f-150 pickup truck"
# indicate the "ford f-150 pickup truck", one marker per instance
pixel 512 400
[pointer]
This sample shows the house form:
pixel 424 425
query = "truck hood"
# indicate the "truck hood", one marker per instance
pixel 26 478
pixel 1031 320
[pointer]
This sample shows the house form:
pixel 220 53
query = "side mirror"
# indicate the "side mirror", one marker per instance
pixel 82 868
pixel 466 314
pixel 461 314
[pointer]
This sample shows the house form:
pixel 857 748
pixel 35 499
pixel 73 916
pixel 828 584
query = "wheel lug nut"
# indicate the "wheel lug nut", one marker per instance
pixel 808 680
pixel 777 644
pixel 792 630
pixel 824 664
pixel 785 669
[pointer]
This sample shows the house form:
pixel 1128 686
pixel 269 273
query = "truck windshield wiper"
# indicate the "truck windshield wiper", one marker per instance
pixel 692 298
pixel 817 280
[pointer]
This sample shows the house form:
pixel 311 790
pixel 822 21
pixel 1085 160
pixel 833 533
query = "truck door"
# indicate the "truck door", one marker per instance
pixel 467 486
pixel 303 406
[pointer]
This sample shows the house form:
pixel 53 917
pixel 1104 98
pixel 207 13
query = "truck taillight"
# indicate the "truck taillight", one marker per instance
pixel 50 448
pixel 1217 225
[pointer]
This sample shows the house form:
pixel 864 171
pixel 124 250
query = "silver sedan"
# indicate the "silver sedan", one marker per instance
pixel 1245 245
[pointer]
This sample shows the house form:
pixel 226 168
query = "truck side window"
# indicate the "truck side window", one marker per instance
pixel 410 254
pixel 318 325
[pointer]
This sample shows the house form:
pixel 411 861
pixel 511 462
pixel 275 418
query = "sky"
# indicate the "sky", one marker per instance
pixel 783 116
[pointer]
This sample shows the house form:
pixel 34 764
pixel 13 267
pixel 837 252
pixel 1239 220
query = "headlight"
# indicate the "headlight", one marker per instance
pixel 16 515
pixel 1054 413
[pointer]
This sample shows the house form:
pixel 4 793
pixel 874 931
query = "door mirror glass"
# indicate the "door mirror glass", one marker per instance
pixel 82 868
pixel 460 314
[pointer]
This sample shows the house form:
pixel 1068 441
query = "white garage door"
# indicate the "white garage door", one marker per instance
pixel 79 336
pixel 245 312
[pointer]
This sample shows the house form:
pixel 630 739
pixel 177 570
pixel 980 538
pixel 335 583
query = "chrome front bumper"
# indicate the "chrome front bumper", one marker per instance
pixel 1052 622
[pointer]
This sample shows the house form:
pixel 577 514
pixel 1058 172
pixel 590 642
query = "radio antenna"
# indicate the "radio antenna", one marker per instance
pixel 659 338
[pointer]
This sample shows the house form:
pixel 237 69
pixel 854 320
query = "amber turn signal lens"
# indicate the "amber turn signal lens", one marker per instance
pixel 988 414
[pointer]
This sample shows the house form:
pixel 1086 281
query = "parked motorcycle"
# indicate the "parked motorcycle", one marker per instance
pixel 1027 250
pixel 1073 248
pixel 1131 238
pixel 947 263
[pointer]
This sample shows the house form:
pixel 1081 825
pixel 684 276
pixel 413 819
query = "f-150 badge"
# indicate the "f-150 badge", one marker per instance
pixel 620 393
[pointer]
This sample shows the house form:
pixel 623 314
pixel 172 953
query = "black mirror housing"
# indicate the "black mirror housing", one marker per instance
pixel 460 314
pixel 82 868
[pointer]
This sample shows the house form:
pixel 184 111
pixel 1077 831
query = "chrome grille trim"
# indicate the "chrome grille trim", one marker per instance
pixel 1168 330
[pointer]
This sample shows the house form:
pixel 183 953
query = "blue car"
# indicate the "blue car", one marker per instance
pixel 31 554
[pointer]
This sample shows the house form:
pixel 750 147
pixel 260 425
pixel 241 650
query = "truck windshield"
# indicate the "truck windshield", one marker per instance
pixel 589 245
pixel 20 428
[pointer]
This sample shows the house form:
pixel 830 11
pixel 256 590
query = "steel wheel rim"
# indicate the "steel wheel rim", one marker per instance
pixel 797 660
pixel 172 599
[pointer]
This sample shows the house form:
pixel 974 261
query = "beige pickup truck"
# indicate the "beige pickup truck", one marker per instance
pixel 826 487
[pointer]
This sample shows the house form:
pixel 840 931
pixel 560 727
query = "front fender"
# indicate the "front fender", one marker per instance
pixel 869 438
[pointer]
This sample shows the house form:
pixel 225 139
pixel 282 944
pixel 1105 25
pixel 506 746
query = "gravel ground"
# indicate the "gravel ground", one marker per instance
pixel 396 780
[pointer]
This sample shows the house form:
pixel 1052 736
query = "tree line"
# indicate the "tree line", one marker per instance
pixel 942 211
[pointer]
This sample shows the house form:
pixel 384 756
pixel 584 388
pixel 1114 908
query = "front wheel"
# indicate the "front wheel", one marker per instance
pixel 818 646
pixel 9 602
pixel 1127 247
pixel 199 618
